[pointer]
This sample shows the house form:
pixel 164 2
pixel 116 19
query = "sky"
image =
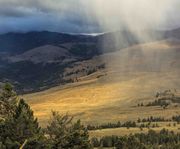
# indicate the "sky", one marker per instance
pixel 88 16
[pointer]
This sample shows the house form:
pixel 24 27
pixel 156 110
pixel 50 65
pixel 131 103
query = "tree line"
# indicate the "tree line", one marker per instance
pixel 163 99
pixel 141 123
pixel 128 124
pixel 152 140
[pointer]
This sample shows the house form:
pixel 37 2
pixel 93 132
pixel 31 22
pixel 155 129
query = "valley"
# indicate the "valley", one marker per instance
pixel 89 74
pixel 103 88
pixel 113 92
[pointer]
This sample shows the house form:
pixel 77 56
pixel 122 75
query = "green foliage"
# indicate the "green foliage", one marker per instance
pixel 7 101
pixel 164 99
pixel 152 140
pixel 95 142
pixel 8 92
pixel 159 102
pixel 19 124
pixel 24 126
pixel 64 134
pixel 128 124
pixel 20 128
pixel 176 118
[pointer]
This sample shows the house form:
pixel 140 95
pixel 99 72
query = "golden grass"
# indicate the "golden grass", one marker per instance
pixel 128 79
pixel 107 99
pixel 125 131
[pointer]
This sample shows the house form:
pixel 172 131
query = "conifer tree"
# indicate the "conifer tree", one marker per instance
pixel 24 126
pixel 79 137
pixel 64 134
pixel 18 125
pixel 7 101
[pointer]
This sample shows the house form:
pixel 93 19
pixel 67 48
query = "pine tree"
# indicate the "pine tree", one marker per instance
pixel 22 127
pixel 58 130
pixel 8 93
pixel 25 125
pixel 19 125
pixel 79 137
pixel 7 101
pixel 64 134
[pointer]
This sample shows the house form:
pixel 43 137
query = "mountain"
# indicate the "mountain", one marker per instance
pixel 39 60
pixel 43 54
pixel 108 87
pixel 21 42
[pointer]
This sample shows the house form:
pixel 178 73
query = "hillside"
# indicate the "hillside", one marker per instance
pixel 42 60
pixel 39 58
pixel 112 91
pixel 44 54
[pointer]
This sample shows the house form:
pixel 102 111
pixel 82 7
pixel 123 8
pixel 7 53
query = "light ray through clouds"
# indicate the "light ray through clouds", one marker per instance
pixel 87 15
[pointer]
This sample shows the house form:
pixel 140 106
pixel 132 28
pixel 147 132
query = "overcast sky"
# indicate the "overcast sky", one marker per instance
pixel 87 15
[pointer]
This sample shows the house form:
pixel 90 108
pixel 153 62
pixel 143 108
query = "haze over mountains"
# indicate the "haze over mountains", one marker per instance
pixel 106 73
pixel 38 60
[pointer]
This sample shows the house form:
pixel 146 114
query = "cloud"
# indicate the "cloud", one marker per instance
pixel 135 13
pixel 87 15
pixel 38 7
pixel 53 15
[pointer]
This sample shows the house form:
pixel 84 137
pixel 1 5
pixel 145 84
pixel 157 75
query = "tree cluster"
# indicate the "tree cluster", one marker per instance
pixel 176 118
pixel 152 140
pixel 128 124
pixel 20 129
pixel 153 119
pixel 159 102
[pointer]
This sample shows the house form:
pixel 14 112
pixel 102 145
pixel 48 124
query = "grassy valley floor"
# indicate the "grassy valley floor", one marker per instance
pixel 110 98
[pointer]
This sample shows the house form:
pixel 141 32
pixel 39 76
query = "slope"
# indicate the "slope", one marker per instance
pixel 130 76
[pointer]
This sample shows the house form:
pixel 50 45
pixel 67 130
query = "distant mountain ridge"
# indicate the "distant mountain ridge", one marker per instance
pixel 38 60
pixel 21 42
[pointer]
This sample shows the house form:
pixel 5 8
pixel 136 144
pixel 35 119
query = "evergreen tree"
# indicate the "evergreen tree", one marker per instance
pixel 63 134
pixel 19 126
pixel 8 93
pixel 58 130
pixel 79 137
pixel 7 101
pixel 25 126
pixel 95 142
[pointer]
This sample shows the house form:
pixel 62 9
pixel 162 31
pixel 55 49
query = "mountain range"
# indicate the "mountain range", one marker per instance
pixel 36 61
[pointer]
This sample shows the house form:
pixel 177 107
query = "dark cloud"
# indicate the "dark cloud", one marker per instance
pixel 47 22
pixel 16 12
pixel 85 15
pixel 53 15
